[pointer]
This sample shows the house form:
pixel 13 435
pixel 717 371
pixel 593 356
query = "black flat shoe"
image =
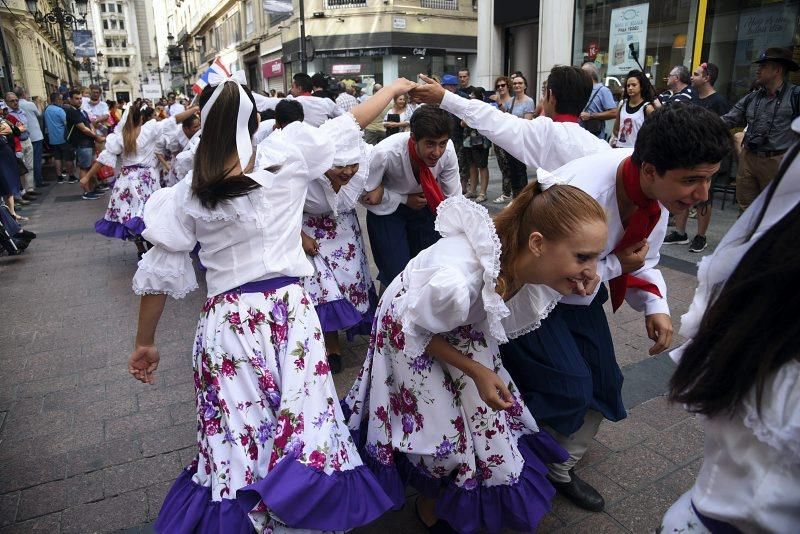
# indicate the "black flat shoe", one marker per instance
pixel 335 363
pixel 27 235
pixel 440 527
pixel 580 493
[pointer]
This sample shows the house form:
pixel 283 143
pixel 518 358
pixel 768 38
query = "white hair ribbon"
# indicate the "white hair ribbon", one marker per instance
pixel 244 145
pixel 123 120
pixel 547 180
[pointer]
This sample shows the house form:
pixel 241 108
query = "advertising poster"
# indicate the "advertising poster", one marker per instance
pixel 628 27
pixel 278 7
pixel 84 43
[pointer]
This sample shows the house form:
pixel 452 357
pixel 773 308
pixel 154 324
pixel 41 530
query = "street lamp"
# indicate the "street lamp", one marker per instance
pixel 62 17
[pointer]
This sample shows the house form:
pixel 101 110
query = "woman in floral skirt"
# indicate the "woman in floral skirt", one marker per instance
pixel 433 405
pixel 341 287
pixel 134 141
pixel 274 451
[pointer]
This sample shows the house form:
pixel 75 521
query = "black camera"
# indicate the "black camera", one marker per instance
pixel 753 142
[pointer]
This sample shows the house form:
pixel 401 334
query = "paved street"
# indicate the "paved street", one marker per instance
pixel 85 448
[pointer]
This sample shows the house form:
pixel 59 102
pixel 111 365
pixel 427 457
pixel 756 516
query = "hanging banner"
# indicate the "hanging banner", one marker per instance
pixel 151 91
pixel 84 43
pixel 272 69
pixel 628 27
pixel 278 7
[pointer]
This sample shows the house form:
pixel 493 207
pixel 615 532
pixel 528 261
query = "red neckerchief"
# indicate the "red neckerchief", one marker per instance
pixel 564 117
pixel 639 226
pixel 430 188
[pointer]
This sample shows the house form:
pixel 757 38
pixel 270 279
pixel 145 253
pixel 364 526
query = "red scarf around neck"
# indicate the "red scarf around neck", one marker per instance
pixel 430 188
pixel 639 226
pixel 565 117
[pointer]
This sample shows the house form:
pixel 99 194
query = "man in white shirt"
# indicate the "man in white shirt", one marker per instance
pixel 316 109
pixel 97 110
pixel 566 369
pixel 174 107
pixel 399 221
pixel 37 137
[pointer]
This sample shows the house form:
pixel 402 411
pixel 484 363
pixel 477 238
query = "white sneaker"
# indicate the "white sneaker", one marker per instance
pixel 502 199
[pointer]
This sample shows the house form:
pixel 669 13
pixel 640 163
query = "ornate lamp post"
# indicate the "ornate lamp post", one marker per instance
pixel 62 17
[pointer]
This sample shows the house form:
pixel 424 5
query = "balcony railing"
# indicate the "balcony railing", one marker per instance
pixel 440 4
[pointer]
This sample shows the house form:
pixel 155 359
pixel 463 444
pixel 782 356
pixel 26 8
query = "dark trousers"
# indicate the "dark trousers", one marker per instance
pixel 398 237
pixel 517 174
pixel 38 148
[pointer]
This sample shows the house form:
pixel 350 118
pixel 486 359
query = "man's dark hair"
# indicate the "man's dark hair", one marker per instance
pixel 95 87
pixel 682 136
pixel 73 92
pixel 684 76
pixel 267 114
pixel 571 88
pixel 712 71
pixel 190 121
pixel 430 122
pixel 288 111
pixel 319 80
pixel 54 96
pixel 171 94
pixel 303 81
pixel 465 69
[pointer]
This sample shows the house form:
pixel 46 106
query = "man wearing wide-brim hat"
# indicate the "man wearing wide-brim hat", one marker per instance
pixel 768 113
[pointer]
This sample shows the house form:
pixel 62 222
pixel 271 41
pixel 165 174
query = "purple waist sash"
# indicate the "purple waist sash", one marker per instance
pixel 716 526
pixel 262 286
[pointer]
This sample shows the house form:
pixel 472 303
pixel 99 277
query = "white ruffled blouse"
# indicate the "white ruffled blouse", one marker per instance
pixel 150 134
pixel 750 475
pixel 322 199
pixel 452 283
pixel 173 140
pixel 249 238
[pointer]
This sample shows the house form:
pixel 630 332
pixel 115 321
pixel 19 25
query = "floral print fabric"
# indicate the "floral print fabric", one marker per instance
pixel 341 271
pixel 264 392
pixel 430 412
pixel 132 189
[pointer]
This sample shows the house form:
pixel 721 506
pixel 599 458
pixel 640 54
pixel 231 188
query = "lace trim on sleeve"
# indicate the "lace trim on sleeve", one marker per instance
pixel 458 215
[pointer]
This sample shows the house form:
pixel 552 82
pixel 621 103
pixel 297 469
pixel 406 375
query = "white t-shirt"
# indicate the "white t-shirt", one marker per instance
pixel 317 110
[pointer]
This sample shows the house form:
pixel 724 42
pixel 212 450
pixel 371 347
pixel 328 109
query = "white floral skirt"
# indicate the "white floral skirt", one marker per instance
pixel 422 422
pixel 124 217
pixel 341 287
pixel 273 445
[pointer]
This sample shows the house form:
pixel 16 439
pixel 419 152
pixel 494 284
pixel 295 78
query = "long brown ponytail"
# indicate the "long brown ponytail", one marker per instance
pixel 130 132
pixel 556 213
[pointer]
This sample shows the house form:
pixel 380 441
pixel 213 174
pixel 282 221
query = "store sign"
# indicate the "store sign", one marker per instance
pixel 272 69
pixel 84 43
pixel 628 30
pixel 399 23
pixel 762 28
pixel 346 69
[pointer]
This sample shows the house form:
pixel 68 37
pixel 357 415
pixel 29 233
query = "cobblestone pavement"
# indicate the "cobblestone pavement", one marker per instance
pixel 85 448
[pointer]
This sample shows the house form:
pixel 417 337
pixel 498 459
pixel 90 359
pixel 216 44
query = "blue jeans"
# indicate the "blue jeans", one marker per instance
pixel 38 147
pixel 84 157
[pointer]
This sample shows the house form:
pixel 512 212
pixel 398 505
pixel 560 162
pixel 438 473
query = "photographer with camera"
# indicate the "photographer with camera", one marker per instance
pixel 768 113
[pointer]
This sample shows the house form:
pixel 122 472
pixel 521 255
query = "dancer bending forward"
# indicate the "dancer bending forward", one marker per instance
pixel 433 404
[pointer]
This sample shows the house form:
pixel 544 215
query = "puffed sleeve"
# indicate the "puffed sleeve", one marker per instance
pixel 113 148
pixel 436 300
pixel 167 267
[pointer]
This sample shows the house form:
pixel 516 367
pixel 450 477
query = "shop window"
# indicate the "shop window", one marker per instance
pixel 661 34
pixel 249 25
pixel 102 8
pixel 736 32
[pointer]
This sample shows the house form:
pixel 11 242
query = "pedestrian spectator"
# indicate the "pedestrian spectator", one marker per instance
pixel 82 138
pixel 502 88
pixel 768 114
pixel 635 107
pixel 398 118
pixel 316 110
pixel 40 105
pixel 97 110
pixel 740 372
pixel 346 99
pixel 113 115
pixel 9 173
pixel 678 88
pixel 601 106
pixel 55 119
pixel 522 106
pixel 463 83
pixel 273 93
pixel 375 132
pixel 451 83
pixel 703 80
pixel 20 119
pixel 476 152
pixel 34 126
pixel 174 107
pixel 280 94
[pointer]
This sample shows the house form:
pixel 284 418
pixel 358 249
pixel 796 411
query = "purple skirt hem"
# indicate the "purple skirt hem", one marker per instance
pixel 301 496
pixel 518 506
pixel 337 315
pixel 125 231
